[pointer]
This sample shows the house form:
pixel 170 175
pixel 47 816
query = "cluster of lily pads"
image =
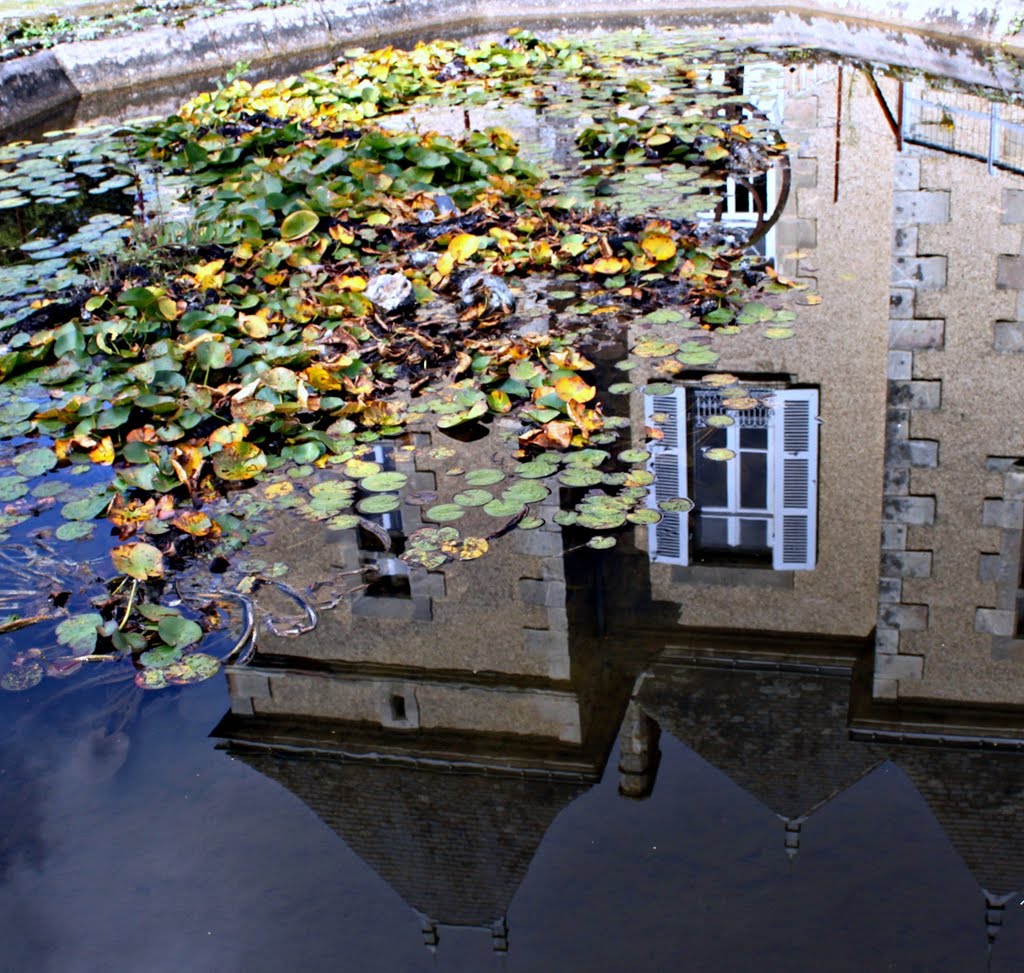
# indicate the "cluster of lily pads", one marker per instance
pixel 334 284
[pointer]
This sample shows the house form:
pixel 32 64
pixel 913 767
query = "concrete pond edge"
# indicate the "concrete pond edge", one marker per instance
pixel 915 33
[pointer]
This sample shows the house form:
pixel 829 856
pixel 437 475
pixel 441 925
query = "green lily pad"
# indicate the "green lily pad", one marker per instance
pixel 503 508
pixel 358 469
pixel 179 632
pixel 526 491
pixel 581 476
pixel 484 477
pixel 76 530
pixel 535 470
pixel 530 523
pixel 12 488
pixel 160 657
pixel 35 462
pixel 643 516
pixel 676 505
pixel 380 503
pixel 79 632
pixel 194 667
pixel 344 522
pixel 473 498
pixel 659 388
pixel 384 482
pixel 445 511
pixel 634 456
pixel 601 543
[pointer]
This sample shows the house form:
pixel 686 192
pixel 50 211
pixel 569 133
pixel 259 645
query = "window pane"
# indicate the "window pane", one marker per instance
pixel 713 533
pixel 756 438
pixel 754 535
pixel 753 480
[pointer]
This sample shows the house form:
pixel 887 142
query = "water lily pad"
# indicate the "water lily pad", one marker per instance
pixel 503 508
pixel 634 456
pixel 152 678
pixel 720 421
pixel 445 511
pixel 621 388
pixel 431 560
pixel 380 503
pixel 22 676
pixel 12 488
pixel 298 224
pixel 384 482
pixel 484 477
pixel 358 469
pixel 526 491
pixel 466 549
pixel 138 560
pixel 535 470
pixel 581 476
pixel 601 520
pixel 643 516
pixel 76 530
pixel 35 462
pixel 655 348
pixel 719 454
pixel 659 388
pixel 676 505
pixel 344 522
pixel 566 518
pixel 79 632
pixel 160 657
pixel 601 543
pixel 530 523
pixel 194 667
pixel 239 461
pixel 778 334
pixel 179 632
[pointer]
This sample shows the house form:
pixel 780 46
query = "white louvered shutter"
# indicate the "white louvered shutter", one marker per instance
pixel 795 429
pixel 669 539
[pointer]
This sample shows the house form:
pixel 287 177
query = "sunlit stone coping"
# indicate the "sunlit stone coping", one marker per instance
pixel 952 40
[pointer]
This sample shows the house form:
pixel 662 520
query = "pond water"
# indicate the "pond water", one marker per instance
pixel 729 668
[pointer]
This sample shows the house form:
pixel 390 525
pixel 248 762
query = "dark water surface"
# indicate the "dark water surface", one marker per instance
pixel 767 735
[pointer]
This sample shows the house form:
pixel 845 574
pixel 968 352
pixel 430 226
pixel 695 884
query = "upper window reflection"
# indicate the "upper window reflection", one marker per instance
pixel 758 504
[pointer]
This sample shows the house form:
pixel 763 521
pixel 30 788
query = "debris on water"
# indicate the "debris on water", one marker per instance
pixel 494 292
pixel 390 292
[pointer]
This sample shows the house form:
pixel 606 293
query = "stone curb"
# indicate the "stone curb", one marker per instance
pixel 890 30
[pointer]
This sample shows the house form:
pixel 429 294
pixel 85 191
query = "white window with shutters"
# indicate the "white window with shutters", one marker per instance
pixel 761 505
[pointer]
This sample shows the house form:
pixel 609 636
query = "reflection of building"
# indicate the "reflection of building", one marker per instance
pixel 438 727
pixel 775 721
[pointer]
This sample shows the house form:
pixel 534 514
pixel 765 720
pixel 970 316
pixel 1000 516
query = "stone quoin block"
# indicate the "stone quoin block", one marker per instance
pixel 925 206
pixel 900 366
pixel 923 395
pixel 906 173
pixel 901 302
pixel 919 511
pixel 907 564
pixel 1010 273
pixel 915 334
pixel 1008 337
pixel 1013 206
pixel 899 666
pixel 904 241
pixel 994 621
pixel 920 273
pixel 887 640
pixel 1006 514
pixel 907 618
pixel 894 537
